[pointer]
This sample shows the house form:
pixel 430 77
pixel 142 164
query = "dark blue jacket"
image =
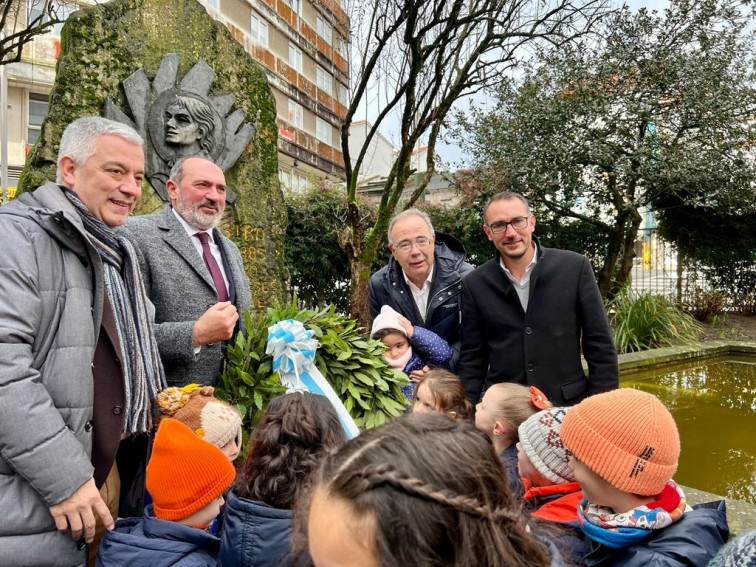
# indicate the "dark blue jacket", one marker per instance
pixel 152 542
pixel 254 534
pixel 508 458
pixel 692 541
pixel 387 287
pixel 428 349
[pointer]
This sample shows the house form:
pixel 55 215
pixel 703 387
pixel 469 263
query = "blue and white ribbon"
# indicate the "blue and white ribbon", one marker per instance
pixel 293 350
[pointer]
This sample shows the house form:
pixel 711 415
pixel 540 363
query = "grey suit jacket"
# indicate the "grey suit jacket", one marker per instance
pixel 181 288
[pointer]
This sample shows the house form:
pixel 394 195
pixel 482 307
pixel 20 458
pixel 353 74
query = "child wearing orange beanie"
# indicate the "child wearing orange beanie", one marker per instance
pixel 186 477
pixel 625 448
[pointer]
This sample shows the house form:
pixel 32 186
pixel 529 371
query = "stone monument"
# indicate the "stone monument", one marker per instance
pixel 166 68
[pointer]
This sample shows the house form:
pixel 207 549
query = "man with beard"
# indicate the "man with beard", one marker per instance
pixel 527 312
pixel 193 274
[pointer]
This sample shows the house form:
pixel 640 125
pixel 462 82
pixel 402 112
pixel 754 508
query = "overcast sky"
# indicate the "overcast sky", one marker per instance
pixel 450 154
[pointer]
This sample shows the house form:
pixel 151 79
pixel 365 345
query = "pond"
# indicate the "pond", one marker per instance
pixel 714 404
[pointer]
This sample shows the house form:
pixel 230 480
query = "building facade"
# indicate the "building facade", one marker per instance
pixel 301 45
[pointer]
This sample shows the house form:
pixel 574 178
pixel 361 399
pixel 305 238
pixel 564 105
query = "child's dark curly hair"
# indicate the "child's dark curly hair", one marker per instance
pixel 286 446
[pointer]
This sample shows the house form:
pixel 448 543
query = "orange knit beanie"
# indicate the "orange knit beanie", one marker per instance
pixel 185 473
pixel 625 436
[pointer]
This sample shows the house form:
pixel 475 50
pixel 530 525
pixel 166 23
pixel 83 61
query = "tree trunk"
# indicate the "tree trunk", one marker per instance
pixel 628 254
pixel 358 293
pixel 605 275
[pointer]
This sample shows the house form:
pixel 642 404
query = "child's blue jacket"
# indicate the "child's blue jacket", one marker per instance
pixel 152 542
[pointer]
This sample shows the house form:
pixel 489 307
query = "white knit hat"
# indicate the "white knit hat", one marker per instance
pixel 541 441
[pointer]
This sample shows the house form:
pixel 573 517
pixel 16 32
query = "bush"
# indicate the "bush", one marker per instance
pixel 317 265
pixel 703 304
pixel 644 321
pixel 351 362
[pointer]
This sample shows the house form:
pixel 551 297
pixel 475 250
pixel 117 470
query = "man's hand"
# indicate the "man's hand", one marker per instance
pixel 418 376
pixel 78 511
pixel 215 324
pixel 408 328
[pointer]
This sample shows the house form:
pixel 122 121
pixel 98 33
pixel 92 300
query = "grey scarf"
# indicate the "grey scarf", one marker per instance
pixel 143 371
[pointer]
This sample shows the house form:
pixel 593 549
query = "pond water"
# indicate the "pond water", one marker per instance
pixel 714 404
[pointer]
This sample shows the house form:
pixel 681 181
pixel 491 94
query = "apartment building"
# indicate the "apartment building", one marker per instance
pixel 301 45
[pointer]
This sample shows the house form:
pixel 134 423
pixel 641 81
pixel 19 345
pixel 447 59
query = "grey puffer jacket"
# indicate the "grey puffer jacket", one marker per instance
pixel 51 294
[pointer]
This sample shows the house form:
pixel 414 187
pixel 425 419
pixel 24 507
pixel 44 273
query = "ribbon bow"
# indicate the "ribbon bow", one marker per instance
pixel 293 350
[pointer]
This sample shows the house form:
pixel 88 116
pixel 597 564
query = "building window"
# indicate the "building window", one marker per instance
pixel 284 176
pixel 323 131
pixel 296 115
pixel 259 31
pixel 324 29
pixel 37 13
pixel 343 95
pixel 294 5
pixel 325 81
pixel 37 112
pixel 341 47
pixel 295 57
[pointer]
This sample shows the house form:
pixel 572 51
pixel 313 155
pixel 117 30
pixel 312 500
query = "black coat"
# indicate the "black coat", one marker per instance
pixel 387 287
pixel 503 343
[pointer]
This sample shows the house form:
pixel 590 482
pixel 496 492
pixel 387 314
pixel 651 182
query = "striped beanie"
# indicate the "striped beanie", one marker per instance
pixel 184 473
pixel 542 443
pixel 627 437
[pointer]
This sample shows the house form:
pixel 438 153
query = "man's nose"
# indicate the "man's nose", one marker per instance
pixel 132 186
pixel 509 226
pixel 213 194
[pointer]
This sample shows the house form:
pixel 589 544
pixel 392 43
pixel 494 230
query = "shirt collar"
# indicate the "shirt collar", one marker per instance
pixel 528 268
pixel 427 281
pixel 190 230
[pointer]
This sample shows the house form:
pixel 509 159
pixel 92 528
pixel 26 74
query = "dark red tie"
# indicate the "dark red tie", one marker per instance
pixel 212 265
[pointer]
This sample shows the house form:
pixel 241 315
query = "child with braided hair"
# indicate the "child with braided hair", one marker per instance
pixel 421 490
pixel 504 407
pixel 284 449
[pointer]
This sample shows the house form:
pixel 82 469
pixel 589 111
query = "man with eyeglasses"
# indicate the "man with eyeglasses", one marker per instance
pixel 528 313
pixel 422 280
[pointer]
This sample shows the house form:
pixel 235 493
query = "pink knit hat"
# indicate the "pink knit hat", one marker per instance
pixel 625 436
pixel 387 319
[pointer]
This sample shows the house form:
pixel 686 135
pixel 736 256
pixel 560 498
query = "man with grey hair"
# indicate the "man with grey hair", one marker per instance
pixel 193 274
pixel 79 367
pixel 422 280
pixel 529 313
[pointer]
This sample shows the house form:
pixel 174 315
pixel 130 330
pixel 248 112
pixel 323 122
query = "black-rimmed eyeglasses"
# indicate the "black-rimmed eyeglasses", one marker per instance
pixel 518 223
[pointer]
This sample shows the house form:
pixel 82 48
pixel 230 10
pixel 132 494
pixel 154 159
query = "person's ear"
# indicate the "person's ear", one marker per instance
pixel 172 189
pixel 67 170
pixel 488 232
pixel 498 428
pixel 452 414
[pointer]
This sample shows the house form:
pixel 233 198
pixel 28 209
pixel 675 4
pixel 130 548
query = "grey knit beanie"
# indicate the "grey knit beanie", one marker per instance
pixel 541 441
